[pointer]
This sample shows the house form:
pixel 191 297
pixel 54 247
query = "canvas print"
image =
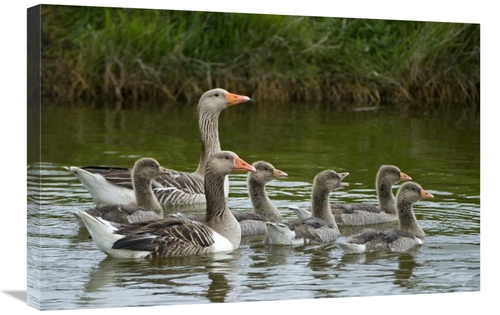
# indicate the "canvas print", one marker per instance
pixel 192 157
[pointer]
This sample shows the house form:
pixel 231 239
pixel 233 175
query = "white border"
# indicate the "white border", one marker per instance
pixel 13 185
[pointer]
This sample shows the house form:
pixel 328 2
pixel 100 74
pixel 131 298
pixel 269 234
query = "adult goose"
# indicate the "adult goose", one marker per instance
pixel 113 185
pixel 363 214
pixel 321 226
pixel 263 210
pixel 177 235
pixel 147 208
pixel 408 235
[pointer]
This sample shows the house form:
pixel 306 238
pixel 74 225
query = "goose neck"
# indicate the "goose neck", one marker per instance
pixel 145 196
pixel 321 205
pixel 208 124
pixel 386 200
pixel 260 201
pixel 218 217
pixel 407 219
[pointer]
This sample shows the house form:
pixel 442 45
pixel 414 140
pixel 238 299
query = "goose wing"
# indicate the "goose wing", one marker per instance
pixel 248 215
pixel 123 177
pixel 384 240
pixel 117 175
pixel 173 236
pixel 179 188
pixel 173 187
pixel 186 182
pixel 123 213
pixel 352 207
pixel 313 230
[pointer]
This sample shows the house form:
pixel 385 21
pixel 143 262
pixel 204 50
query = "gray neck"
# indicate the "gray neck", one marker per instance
pixel 407 219
pixel 386 200
pixel 208 124
pixel 260 201
pixel 321 205
pixel 145 196
pixel 218 216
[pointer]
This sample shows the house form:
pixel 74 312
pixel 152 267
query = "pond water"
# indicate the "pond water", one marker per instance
pixel 438 148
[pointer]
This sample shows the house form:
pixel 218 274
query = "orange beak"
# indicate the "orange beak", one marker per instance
pixel 425 194
pixel 240 165
pixel 404 177
pixel 235 99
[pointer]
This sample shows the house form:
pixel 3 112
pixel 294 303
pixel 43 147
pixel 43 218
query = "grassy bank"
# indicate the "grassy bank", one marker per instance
pixel 90 52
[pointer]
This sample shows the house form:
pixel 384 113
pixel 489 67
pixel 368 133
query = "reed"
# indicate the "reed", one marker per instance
pixel 113 53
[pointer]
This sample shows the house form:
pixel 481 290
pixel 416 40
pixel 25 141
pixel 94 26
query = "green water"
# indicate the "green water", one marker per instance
pixel 439 149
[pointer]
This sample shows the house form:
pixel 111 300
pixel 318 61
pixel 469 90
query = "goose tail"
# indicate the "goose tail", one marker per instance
pixel 352 248
pixel 101 231
pixel 302 214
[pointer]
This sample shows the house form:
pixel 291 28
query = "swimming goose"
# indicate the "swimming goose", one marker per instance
pixel 263 209
pixel 148 208
pixel 177 235
pixel 112 185
pixel 362 214
pixel 321 226
pixel 408 235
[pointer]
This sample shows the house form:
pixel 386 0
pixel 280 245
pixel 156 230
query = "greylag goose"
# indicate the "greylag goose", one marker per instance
pixel 177 235
pixel 112 185
pixel 263 209
pixel 363 214
pixel 148 208
pixel 321 226
pixel 408 235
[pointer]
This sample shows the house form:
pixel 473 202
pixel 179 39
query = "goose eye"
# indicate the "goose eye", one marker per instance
pixel 266 169
pixel 216 94
pixel 227 157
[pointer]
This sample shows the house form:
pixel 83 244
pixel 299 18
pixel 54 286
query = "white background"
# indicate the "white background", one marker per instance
pixel 13 153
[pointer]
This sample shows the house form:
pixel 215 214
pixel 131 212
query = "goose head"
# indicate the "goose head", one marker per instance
pixel 226 162
pixel 216 100
pixel 392 174
pixel 412 192
pixel 330 180
pixel 147 168
pixel 265 172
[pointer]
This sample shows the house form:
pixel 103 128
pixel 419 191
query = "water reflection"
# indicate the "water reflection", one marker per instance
pixel 404 273
pixel 320 259
pixel 168 275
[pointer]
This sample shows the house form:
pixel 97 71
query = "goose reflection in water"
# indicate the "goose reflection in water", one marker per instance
pixel 403 273
pixel 210 273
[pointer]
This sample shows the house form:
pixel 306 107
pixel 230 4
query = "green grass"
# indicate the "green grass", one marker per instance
pixel 97 53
